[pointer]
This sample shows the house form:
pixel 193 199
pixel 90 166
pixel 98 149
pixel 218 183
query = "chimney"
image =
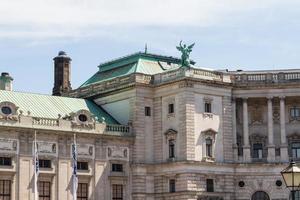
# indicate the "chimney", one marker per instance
pixel 62 73
pixel 6 81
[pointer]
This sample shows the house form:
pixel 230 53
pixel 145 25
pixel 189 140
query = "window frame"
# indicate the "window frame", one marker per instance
pixel 172 185
pixel 171 145
pixel 117 167
pixel 257 150
pixel 294 112
pixel 147 111
pixel 295 148
pixel 171 108
pixel 117 192
pixel 42 195
pixel 5 161
pixel 80 194
pixel 44 165
pixel 3 191
pixel 81 165
pixel 207 107
pixel 209 147
pixel 209 185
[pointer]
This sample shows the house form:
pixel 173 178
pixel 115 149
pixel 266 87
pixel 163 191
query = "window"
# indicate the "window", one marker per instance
pixel 171 149
pixel 171 108
pixel 172 186
pixel 44 163
pixel 257 150
pixel 147 111
pixel 209 185
pixel 6 110
pixel 82 191
pixel 208 147
pixel 117 192
pixel 295 112
pixel 260 195
pixel 117 167
pixel 82 118
pixel 5 161
pixel 296 150
pixel 5 189
pixel 207 107
pixel 277 151
pixel 82 165
pixel 44 190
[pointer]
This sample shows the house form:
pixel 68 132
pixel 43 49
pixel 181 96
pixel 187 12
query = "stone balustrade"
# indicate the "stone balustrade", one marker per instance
pixel 45 121
pixel 266 78
pixel 66 125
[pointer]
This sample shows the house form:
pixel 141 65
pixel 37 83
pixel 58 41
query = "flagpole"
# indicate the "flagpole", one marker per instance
pixel 35 168
pixel 75 178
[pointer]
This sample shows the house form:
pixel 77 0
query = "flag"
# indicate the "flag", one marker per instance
pixel 74 164
pixel 36 167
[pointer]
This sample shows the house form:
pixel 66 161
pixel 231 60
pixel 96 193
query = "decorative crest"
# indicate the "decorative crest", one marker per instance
pixel 185 53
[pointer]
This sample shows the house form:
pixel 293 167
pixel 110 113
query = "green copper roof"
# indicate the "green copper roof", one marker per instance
pixel 47 106
pixel 136 63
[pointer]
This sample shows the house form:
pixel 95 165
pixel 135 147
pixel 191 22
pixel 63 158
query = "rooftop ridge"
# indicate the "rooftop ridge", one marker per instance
pixel 139 53
pixel 39 94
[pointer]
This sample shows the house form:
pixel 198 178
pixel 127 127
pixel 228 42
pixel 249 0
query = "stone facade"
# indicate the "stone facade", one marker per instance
pixel 205 135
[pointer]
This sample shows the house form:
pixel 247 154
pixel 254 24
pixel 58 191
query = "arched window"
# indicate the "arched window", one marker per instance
pixel 260 195
pixel 171 148
pixel 208 142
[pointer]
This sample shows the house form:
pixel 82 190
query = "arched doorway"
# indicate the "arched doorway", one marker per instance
pixel 260 195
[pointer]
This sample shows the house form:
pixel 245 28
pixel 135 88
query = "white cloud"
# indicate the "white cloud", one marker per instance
pixel 78 18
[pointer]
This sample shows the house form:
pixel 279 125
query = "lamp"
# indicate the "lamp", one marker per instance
pixel 291 176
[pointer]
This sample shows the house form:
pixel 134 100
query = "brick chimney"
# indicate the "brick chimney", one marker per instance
pixel 6 81
pixel 62 74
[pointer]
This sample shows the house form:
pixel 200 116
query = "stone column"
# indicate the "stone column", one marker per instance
pixel 283 146
pixel 271 146
pixel 234 139
pixel 246 147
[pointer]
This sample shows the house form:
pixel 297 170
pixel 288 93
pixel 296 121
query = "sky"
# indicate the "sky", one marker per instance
pixel 229 34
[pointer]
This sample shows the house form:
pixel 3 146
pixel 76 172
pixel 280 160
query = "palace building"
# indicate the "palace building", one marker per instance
pixel 148 128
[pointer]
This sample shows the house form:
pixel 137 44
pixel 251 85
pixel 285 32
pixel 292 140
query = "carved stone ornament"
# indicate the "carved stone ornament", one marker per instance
pixel 82 119
pixel 86 151
pixel 256 113
pixel 117 153
pixel 185 84
pixel 8 146
pixel 170 134
pixel 47 148
pixel 8 111
pixel 209 133
pixel 276 114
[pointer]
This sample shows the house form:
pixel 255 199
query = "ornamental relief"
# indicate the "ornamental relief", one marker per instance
pixel 256 114
pixel 8 146
pixel 85 151
pixel 117 153
pixel 276 114
pixel 47 148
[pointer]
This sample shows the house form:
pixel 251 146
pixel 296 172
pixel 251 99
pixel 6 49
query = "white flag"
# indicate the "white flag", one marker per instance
pixel 74 164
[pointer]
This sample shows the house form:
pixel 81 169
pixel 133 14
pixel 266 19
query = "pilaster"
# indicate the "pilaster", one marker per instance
pixel 246 147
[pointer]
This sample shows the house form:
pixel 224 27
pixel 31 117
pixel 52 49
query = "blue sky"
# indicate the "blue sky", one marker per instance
pixel 233 34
